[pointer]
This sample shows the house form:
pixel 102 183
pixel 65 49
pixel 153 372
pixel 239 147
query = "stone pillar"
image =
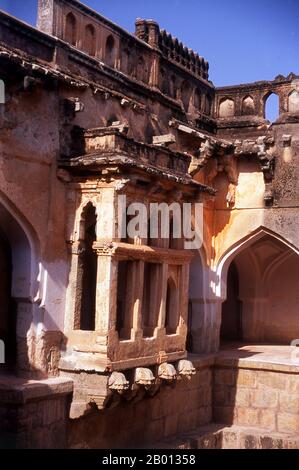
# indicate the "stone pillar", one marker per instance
pixel 160 330
pixel 183 301
pixel 106 293
pixel 45 16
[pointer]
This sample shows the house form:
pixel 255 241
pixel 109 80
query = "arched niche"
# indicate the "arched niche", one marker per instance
pixel 248 108
pixel 90 40
pixel 70 32
pixel 226 108
pixel 293 101
pixel 110 51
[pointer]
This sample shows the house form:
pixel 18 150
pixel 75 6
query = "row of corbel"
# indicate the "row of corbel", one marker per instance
pixel 144 378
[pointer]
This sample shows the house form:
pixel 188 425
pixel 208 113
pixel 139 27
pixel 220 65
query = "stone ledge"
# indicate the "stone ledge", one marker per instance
pixel 19 391
pixel 237 363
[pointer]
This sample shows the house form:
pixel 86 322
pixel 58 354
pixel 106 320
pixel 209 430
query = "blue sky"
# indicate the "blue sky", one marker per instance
pixel 244 41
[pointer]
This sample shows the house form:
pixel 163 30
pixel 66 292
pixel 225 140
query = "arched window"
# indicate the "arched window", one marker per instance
pixel 87 272
pixel 110 51
pixel 171 310
pixel 90 40
pixel 71 29
pixel 271 109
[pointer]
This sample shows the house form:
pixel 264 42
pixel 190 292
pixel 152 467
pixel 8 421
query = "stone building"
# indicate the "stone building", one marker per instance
pixel 117 341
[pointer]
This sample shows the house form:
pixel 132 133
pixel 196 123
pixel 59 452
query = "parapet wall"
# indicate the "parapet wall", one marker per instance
pixel 247 101
pixel 151 56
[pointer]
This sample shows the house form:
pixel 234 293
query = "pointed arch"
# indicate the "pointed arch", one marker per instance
pixel 90 40
pixel 236 248
pixel 110 51
pixel 271 106
pixel 70 32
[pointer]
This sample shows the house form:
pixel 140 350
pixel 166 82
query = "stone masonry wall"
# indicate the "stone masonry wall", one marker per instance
pixel 255 396
pixel 171 412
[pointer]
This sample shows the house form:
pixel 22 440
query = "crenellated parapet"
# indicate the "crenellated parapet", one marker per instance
pixel 171 47
pixel 151 57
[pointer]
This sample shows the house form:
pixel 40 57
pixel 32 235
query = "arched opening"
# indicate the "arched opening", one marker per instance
pixel 70 34
pixel 262 294
pixel 87 272
pixel 90 40
pixel 18 278
pixel 110 51
pixel 271 107
pixel 8 311
pixel 171 308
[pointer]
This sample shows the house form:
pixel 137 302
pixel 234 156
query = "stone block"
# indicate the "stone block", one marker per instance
pixel 246 378
pixel 289 403
pixel 267 419
pixel 274 380
pixel 287 422
pixel 268 442
pixel 249 441
pixel 247 416
pixel 264 398
pixel 240 396
pixel 230 439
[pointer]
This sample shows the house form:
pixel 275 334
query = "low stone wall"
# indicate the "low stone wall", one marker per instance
pixel 256 394
pixel 34 414
pixel 173 411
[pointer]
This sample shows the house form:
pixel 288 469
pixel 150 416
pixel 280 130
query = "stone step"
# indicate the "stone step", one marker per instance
pixel 221 436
